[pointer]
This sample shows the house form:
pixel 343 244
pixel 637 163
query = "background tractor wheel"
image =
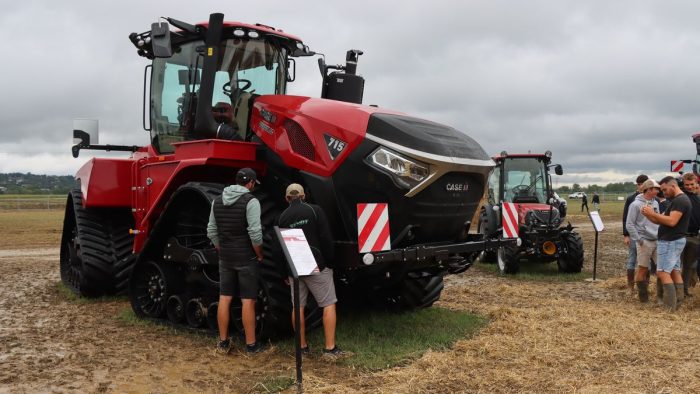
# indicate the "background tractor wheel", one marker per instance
pixel 571 256
pixel 421 289
pixel 487 226
pixel 508 259
pixel 95 255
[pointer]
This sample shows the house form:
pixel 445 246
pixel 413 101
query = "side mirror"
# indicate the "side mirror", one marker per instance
pixel 160 40
pixel 85 133
pixel 558 170
pixel 291 70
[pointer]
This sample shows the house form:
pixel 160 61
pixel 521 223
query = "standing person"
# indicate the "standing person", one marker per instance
pixel 689 259
pixel 235 230
pixel 631 246
pixel 673 225
pixel 584 202
pixel 596 201
pixel 643 233
pixel 312 220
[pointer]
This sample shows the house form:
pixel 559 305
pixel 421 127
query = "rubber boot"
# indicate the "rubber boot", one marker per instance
pixel 680 294
pixel 659 292
pixel 630 280
pixel 670 297
pixel 643 289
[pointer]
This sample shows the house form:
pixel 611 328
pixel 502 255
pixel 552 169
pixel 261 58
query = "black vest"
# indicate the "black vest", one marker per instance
pixel 232 224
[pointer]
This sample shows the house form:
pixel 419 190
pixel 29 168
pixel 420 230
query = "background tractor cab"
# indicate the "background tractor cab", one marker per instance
pixel 525 180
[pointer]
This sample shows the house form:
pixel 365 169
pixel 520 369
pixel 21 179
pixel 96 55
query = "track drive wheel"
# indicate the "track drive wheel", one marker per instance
pixel 149 290
pixel 508 259
pixel 571 256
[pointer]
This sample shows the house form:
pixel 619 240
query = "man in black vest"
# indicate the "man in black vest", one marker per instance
pixel 311 219
pixel 235 230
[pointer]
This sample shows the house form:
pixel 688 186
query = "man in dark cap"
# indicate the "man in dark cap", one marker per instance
pixel 235 230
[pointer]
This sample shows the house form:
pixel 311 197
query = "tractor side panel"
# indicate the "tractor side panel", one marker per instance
pixel 106 182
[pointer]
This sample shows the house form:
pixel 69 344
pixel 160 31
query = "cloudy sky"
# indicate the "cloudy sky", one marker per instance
pixel 612 88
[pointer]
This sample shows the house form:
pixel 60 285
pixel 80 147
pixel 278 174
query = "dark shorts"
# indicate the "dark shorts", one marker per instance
pixel 239 280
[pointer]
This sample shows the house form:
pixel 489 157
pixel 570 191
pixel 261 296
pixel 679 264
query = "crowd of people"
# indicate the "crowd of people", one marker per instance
pixel 660 223
pixel 235 230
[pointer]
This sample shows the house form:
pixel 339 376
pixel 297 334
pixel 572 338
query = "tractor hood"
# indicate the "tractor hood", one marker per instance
pixel 537 213
pixel 317 135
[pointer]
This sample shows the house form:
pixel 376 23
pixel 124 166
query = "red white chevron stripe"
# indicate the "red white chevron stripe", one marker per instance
pixel 510 220
pixel 676 165
pixel 373 227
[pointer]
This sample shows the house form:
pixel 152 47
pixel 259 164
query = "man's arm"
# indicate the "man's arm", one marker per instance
pixel 252 212
pixel 669 221
pixel 628 202
pixel 212 229
pixel 632 216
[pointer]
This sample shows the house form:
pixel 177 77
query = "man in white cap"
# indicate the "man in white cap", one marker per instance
pixel 312 220
pixel 643 232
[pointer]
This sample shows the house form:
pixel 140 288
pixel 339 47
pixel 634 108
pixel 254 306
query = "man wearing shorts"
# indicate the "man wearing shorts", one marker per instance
pixel 631 246
pixel 673 225
pixel 235 230
pixel 311 219
pixel 643 232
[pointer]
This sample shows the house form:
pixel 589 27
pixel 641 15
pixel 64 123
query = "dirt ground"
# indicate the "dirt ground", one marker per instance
pixel 542 337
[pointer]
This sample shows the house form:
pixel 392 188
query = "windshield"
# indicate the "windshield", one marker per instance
pixel 525 180
pixel 247 68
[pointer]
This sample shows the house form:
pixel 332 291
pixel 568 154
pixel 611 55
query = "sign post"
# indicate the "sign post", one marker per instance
pixel 598 226
pixel 300 259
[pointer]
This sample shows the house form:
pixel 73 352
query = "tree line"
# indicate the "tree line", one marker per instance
pixel 617 187
pixel 28 183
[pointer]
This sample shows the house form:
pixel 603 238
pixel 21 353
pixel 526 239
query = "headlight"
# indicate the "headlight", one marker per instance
pixel 406 173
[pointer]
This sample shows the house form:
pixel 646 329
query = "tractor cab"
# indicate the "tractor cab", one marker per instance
pixel 205 77
pixel 522 179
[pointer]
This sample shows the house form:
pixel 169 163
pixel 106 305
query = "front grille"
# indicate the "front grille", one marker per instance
pixel 300 142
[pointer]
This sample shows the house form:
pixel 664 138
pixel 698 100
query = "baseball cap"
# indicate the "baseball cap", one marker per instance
pixel 649 183
pixel 245 175
pixel 295 189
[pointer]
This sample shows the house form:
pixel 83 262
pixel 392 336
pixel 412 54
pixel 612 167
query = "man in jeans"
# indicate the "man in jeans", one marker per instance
pixel 673 225
pixel 643 233
pixel 689 258
pixel 632 247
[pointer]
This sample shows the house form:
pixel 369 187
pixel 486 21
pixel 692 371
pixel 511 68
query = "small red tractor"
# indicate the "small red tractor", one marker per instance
pixel 524 180
pixel 215 101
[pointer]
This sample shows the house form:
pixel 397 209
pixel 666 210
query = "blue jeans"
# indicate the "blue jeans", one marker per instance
pixel 669 255
pixel 632 256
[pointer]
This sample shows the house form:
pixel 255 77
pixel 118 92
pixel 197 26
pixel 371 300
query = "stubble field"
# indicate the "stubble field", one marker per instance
pixel 543 334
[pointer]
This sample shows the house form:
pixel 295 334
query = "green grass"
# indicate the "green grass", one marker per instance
pixel 68 295
pixel 274 384
pixel 535 271
pixel 382 340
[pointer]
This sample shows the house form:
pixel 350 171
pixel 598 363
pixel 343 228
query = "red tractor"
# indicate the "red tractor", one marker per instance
pixel 215 102
pixel 524 180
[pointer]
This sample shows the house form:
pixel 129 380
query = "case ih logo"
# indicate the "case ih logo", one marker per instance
pixel 373 227
pixel 334 145
pixel 457 187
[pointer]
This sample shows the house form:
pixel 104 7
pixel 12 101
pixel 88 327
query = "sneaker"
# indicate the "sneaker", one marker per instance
pixel 333 353
pixel 223 347
pixel 305 351
pixel 257 347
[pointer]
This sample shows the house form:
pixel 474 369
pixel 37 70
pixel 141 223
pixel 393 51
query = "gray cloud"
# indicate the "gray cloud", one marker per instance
pixel 610 87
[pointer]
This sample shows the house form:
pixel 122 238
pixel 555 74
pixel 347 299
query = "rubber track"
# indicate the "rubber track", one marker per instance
pixel 104 239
